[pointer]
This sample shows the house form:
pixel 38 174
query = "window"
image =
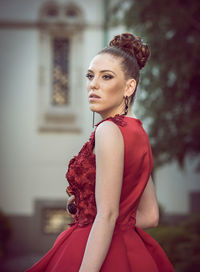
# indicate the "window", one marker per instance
pixel 54 220
pixel 52 11
pixel 71 12
pixel 60 53
pixel 60 88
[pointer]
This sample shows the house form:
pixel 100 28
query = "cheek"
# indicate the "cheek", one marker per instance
pixel 88 86
pixel 115 91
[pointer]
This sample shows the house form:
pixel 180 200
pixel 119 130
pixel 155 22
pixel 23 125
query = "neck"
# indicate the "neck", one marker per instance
pixel 113 113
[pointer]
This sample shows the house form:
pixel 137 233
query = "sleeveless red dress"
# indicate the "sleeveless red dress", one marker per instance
pixel 131 248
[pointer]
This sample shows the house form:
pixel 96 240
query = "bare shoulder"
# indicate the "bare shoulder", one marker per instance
pixel 108 127
pixel 108 132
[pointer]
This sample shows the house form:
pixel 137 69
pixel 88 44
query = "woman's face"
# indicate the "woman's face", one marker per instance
pixel 106 85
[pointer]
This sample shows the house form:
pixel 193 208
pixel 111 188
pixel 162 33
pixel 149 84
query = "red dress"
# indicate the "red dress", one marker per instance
pixel 131 248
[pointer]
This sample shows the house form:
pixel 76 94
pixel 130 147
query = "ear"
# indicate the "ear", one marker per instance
pixel 130 87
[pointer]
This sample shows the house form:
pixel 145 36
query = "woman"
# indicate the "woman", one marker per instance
pixel 110 177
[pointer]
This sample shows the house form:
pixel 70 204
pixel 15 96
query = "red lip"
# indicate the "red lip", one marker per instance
pixel 94 96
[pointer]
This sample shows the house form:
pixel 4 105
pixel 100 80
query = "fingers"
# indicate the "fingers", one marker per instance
pixel 71 199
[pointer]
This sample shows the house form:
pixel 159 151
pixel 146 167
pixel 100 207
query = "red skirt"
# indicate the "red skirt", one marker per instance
pixel 131 250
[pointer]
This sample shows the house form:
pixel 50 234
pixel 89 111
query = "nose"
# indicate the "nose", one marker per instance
pixel 94 83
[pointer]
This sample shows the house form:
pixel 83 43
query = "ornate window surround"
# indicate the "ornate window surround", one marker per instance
pixel 60 21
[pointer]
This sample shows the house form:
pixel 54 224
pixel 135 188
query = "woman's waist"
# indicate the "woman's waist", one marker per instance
pixel 122 223
pixel 125 222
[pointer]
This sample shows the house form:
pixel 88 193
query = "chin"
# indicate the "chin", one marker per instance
pixel 95 109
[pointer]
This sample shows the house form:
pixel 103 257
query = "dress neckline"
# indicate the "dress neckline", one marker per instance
pixel 119 119
pixel 136 119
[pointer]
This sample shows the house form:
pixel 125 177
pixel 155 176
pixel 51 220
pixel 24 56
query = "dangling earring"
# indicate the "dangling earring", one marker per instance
pixel 126 106
pixel 93 117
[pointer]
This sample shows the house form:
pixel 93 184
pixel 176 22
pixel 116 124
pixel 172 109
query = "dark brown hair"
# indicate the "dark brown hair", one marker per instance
pixel 133 52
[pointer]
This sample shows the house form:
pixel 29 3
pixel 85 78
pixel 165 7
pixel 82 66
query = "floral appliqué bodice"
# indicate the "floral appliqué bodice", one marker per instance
pixel 81 176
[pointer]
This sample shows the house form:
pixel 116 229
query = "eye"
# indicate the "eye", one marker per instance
pixel 107 77
pixel 89 76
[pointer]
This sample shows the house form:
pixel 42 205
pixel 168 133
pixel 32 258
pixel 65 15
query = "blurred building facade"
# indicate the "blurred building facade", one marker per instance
pixel 45 49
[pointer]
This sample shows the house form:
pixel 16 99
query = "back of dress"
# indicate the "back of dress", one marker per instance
pixel 132 249
pixel 138 164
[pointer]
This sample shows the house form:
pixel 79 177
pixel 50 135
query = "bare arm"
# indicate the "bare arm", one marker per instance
pixel 147 215
pixel 109 149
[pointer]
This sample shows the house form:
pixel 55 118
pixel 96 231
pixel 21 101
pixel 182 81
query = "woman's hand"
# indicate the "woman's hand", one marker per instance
pixel 70 200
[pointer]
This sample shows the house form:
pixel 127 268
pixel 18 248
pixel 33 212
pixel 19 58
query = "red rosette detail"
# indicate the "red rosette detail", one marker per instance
pixel 81 177
pixel 117 119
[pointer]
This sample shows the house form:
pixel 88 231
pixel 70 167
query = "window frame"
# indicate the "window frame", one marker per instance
pixel 52 117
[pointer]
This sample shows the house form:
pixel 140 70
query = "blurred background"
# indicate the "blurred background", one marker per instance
pixel 45 50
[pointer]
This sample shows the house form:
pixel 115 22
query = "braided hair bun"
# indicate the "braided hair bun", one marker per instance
pixel 133 46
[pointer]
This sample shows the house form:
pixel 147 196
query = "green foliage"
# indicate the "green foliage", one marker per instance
pixel 170 85
pixel 181 243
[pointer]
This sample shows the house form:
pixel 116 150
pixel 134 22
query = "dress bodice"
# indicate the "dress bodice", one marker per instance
pixel 81 173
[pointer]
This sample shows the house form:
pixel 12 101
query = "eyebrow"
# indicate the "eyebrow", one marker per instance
pixel 102 71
